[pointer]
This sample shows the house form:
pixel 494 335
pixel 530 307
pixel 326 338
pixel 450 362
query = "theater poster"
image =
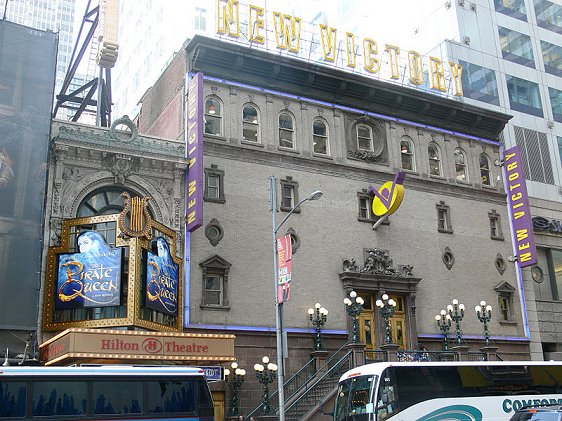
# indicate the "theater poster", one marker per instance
pixel 90 278
pixel 162 279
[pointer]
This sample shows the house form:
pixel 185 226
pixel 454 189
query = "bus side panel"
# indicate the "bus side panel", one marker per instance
pixel 489 408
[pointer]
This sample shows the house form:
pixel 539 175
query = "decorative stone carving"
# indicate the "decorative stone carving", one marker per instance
pixel 72 174
pixel 214 232
pixel 448 258
pixel 364 156
pixel 295 240
pixel 123 121
pixel 122 167
pixel 378 262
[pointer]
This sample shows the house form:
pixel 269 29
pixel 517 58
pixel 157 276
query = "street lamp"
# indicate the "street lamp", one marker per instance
pixel 456 312
pixel 354 307
pixel 444 323
pixel 279 306
pixel 235 382
pixel 387 308
pixel 265 375
pixel 484 314
pixel 318 318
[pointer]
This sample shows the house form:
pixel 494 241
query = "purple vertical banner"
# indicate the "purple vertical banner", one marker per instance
pixel 194 150
pixel 521 222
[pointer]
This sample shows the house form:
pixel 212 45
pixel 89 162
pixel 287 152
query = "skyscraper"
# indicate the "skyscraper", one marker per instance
pixel 53 15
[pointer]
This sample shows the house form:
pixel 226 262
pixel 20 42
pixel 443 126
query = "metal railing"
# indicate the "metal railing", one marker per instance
pixel 316 391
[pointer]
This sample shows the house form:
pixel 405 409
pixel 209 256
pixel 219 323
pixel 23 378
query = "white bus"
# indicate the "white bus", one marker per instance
pixel 432 391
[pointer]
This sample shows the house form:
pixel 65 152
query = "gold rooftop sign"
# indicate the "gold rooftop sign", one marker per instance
pixel 323 44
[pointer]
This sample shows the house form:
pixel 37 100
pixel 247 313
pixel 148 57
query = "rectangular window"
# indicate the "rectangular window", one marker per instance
pixel 479 83
pixel 524 96
pixel 213 189
pixel 289 195
pixel 535 154
pixel 12 399
pixel 213 294
pixel 126 397
pixel 549 15
pixel 57 398
pixel 496 232
pixel 364 207
pixel 556 103
pixel 513 8
pixel 516 47
pixel 505 308
pixel 200 19
pixel 554 258
pixel 214 185
pixel 552 56
pixel 443 218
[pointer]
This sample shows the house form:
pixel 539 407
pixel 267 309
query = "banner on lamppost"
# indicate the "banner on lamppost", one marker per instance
pixel 518 200
pixel 284 268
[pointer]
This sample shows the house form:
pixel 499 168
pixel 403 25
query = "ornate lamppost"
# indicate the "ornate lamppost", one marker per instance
pixel 387 308
pixel 354 307
pixel 444 323
pixel 456 312
pixel 265 375
pixel 318 319
pixel 234 381
pixel 484 314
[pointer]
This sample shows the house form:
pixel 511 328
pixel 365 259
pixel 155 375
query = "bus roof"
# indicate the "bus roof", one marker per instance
pixel 116 370
pixel 378 368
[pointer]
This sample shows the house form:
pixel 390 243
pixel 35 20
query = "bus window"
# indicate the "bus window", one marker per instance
pixel 12 399
pixel 59 398
pixel 117 397
pixel 167 396
pixel 387 399
pixel 353 399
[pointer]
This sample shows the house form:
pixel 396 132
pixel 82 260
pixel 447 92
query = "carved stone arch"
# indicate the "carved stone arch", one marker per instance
pixel 94 182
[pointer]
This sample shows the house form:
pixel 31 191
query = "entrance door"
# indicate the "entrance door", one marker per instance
pixel 367 331
pixel 218 398
pixel 398 323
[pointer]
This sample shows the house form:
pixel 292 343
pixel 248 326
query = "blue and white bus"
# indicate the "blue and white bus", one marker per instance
pixel 431 391
pixel 105 393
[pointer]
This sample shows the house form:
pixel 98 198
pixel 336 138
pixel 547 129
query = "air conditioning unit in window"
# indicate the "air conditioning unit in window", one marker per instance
pixel 550 124
pixel 461 3
pixel 466 40
pixel 473 7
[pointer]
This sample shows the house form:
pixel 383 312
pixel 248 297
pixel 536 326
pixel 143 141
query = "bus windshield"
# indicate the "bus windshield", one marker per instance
pixel 353 400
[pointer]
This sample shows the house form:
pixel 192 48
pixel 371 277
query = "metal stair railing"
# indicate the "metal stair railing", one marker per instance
pixel 318 389
pixel 291 386
pixel 298 381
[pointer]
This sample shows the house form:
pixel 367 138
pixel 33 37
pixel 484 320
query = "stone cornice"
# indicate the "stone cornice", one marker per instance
pixel 347 171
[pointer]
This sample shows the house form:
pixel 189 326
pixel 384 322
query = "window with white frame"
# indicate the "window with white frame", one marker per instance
pixel 215 283
pixel 213 116
pixel 407 154
pixel 214 185
pixel 461 169
pixel 286 131
pixel 444 218
pixel 289 194
pixel 250 124
pixel 320 137
pixel 485 174
pixel 496 232
pixel 364 137
pixel 434 160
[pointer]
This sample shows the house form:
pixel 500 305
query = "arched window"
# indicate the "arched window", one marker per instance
pixel 320 137
pixel 286 131
pixel 250 124
pixel 213 116
pixel 407 154
pixel 485 170
pixel 434 160
pixel 364 137
pixel 460 165
pixel 105 201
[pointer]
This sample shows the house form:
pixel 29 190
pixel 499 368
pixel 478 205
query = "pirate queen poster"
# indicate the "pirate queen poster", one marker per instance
pixel 90 278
